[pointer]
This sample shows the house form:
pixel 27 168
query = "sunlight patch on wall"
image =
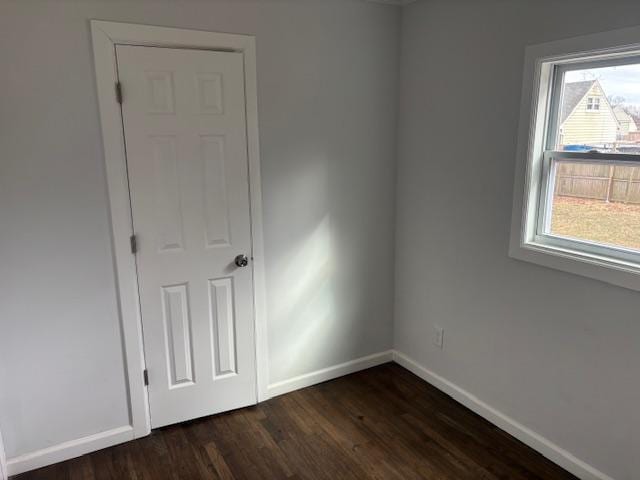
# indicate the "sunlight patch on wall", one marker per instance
pixel 306 303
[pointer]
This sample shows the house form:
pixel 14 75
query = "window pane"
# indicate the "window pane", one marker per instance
pixel 596 202
pixel 599 109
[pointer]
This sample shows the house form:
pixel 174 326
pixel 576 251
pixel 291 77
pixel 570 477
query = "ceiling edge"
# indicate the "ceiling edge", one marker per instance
pixel 398 3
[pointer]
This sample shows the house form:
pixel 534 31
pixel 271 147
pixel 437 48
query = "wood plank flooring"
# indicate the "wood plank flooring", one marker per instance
pixel 381 423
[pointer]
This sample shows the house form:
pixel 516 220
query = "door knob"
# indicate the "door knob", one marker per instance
pixel 241 260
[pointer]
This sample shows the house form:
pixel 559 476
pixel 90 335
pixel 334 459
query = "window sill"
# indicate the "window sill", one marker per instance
pixel 617 272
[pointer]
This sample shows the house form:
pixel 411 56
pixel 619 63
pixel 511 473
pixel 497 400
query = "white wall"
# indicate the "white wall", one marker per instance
pixel 556 352
pixel 327 101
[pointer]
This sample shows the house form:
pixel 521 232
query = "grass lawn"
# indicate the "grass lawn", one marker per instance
pixel 611 223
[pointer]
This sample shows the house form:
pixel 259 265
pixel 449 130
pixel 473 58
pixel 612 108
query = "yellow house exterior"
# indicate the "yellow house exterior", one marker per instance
pixel 625 121
pixel 587 116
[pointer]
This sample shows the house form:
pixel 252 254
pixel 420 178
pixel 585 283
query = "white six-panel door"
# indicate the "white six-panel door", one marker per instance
pixel 186 148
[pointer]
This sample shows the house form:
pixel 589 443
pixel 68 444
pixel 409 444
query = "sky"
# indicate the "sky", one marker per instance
pixel 623 81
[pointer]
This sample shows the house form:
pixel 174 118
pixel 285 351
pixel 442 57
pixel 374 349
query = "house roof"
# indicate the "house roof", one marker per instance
pixel 573 93
pixel 621 113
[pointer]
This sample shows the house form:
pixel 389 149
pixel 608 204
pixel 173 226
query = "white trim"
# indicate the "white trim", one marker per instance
pixel 593 103
pixel 67 450
pixel 616 257
pixel 81 446
pixel 3 461
pixel 553 452
pixel 534 110
pixel 105 36
pixel 329 373
pixel 527 436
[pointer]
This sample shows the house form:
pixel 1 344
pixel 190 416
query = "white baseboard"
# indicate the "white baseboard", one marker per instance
pixel 75 448
pixel 68 450
pixel 527 436
pixel 329 373
pixel 553 452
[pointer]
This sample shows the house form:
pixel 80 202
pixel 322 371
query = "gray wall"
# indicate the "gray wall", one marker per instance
pixel 557 352
pixel 327 102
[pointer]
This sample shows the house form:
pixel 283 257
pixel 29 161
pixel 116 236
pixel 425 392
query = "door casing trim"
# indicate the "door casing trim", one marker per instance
pixel 105 36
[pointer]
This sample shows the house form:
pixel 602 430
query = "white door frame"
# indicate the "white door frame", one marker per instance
pixel 106 35
pixel 3 461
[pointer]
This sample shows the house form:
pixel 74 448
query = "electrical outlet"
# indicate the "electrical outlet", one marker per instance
pixel 438 336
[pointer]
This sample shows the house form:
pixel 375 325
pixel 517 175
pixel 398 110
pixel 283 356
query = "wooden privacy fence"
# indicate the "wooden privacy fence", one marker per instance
pixel 610 183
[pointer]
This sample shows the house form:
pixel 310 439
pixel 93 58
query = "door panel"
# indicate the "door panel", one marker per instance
pixel 223 326
pixel 185 136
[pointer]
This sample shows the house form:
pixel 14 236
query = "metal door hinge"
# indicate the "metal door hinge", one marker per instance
pixel 134 244
pixel 145 375
pixel 119 93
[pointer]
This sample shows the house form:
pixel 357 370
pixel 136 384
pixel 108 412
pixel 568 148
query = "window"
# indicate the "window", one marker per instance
pixel 577 192
pixel 593 103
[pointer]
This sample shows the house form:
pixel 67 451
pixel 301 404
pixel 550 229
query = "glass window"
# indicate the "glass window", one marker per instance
pixel 590 190
pixel 596 202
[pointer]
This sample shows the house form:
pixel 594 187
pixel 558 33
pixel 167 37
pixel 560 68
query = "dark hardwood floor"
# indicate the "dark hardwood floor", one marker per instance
pixel 381 423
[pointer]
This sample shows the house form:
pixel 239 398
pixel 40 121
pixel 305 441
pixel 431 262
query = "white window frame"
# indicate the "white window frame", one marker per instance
pixel 593 104
pixel 528 241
